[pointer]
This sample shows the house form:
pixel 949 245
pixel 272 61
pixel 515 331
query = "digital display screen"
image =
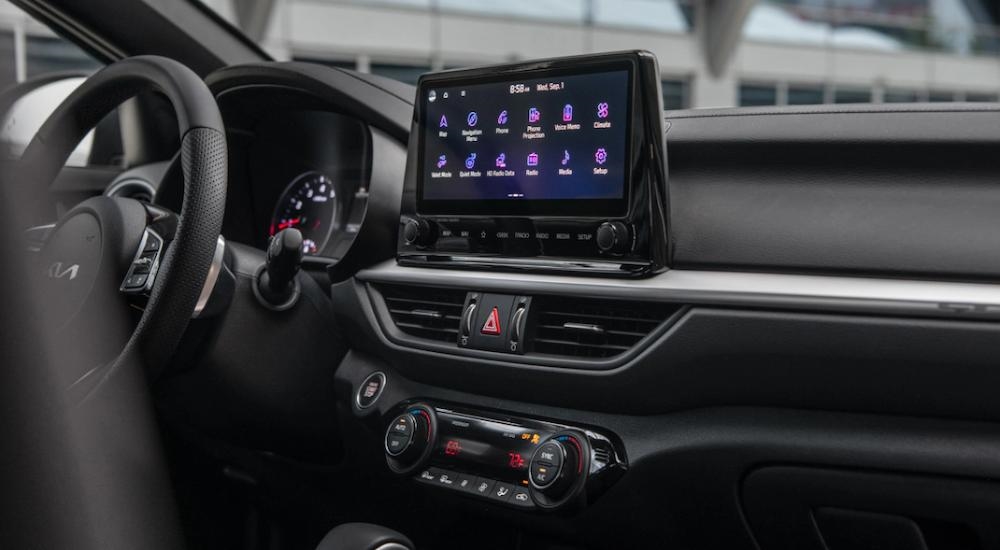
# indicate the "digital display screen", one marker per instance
pixel 497 449
pixel 552 143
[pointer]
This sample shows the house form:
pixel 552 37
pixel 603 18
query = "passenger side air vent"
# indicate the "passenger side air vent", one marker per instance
pixel 425 312
pixel 595 329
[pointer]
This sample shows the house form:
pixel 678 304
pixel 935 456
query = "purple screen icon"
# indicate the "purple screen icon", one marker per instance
pixel 602 110
pixel 502 119
pixel 565 159
pixel 502 160
pixel 601 156
pixel 442 160
pixel 532 159
pixel 534 115
pixel 567 113
pixel 470 162
pixel 444 122
pixel 472 119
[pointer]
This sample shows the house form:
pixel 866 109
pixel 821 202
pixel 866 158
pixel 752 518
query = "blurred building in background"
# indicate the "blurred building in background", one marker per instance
pixel 713 53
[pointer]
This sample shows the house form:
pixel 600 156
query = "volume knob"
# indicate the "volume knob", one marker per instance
pixel 418 232
pixel 613 238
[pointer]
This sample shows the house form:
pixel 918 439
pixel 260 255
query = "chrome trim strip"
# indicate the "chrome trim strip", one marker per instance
pixel 815 292
pixel 211 278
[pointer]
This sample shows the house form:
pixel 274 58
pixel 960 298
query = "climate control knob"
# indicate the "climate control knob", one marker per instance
pixel 613 238
pixel 557 470
pixel 409 439
pixel 418 232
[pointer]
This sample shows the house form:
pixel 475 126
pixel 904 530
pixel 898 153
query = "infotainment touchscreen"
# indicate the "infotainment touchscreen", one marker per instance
pixel 542 142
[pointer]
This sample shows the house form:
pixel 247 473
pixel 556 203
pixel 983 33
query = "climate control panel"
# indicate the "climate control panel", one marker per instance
pixel 521 462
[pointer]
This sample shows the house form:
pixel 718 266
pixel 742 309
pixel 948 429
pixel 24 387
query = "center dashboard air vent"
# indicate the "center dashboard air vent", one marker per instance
pixel 555 327
pixel 425 312
pixel 593 328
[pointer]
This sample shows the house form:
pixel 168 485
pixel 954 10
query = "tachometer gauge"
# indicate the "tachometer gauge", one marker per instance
pixel 308 204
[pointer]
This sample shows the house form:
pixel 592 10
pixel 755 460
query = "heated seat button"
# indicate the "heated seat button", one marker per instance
pixel 502 491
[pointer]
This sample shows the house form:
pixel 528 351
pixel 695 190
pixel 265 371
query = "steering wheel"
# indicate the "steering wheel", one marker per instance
pixel 104 260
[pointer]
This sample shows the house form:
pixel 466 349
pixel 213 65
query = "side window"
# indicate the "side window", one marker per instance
pixel 30 51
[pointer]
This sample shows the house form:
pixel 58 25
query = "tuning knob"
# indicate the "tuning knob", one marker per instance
pixel 558 469
pixel 418 232
pixel 409 439
pixel 613 238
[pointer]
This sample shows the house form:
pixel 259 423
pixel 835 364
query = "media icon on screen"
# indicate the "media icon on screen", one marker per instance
pixel 532 159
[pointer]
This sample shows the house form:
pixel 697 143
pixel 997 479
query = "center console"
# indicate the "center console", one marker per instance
pixel 553 165
pixel 519 462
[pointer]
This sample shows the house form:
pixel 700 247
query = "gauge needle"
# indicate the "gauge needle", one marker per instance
pixel 285 224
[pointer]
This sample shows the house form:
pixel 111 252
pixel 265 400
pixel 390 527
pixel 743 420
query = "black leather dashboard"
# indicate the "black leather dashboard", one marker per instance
pixel 902 191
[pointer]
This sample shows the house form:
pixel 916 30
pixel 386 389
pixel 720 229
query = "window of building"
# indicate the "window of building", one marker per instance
pixel 46 54
pixel 980 96
pixel 403 73
pixel 758 94
pixel 940 96
pixel 675 94
pixel 8 63
pixel 852 95
pixel 803 94
pixel 900 95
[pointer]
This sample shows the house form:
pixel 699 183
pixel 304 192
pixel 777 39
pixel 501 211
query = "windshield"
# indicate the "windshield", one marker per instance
pixel 711 54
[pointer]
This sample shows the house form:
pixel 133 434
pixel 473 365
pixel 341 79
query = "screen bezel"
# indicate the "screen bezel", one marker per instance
pixel 605 208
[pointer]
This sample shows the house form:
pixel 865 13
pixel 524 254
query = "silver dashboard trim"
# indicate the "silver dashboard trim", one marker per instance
pixel 741 289
pixel 211 278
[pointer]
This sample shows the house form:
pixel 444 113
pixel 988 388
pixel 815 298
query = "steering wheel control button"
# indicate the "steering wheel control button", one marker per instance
pixel 139 278
pixel 371 389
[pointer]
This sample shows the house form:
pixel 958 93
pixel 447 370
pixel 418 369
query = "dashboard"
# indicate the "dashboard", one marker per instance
pixel 744 299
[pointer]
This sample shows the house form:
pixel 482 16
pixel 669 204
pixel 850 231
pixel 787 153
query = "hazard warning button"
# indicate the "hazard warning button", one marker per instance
pixel 492 325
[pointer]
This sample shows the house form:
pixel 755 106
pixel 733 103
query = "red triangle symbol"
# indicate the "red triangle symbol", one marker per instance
pixel 492 325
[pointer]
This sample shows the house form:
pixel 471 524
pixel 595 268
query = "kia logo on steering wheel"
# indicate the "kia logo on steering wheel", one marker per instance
pixel 56 271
